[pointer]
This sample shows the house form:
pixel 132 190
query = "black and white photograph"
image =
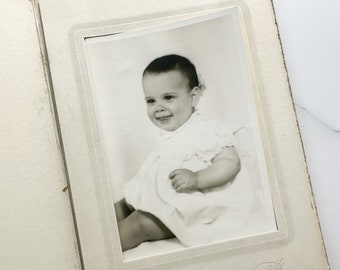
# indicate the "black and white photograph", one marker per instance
pixel 176 115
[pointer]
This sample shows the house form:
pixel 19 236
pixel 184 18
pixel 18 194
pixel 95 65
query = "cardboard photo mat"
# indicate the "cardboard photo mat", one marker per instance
pixel 111 63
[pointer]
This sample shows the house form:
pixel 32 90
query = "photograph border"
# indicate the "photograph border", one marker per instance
pixel 100 168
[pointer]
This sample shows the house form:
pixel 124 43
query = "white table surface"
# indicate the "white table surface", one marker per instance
pixel 310 38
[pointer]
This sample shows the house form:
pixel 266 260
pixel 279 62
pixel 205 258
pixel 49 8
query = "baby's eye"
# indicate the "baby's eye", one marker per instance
pixel 168 97
pixel 150 101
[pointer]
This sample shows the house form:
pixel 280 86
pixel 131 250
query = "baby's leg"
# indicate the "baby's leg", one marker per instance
pixel 140 227
pixel 122 209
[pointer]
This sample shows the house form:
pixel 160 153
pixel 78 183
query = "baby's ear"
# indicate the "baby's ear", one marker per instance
pixel 195 96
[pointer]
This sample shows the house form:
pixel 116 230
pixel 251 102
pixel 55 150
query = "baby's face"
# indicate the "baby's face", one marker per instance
pixel 169 101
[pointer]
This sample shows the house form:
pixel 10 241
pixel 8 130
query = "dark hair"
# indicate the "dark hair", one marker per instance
pixel 174 62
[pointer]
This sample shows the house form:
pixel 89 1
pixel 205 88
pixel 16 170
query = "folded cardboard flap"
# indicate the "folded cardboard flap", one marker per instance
pixel 68 23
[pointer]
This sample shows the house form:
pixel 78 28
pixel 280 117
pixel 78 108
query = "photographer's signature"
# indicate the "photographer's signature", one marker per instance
pixel 277 265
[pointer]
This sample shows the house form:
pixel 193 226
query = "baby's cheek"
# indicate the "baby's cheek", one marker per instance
pixel 151 117
pixel 149 113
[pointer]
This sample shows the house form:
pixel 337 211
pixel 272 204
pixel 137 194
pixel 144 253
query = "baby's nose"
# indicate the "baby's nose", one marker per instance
pixel 159 107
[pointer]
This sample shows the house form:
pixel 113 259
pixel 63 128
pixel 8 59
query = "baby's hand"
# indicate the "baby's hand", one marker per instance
pixel 183 180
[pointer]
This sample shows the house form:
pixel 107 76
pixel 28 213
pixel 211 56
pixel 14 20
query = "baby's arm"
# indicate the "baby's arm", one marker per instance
pixel 225 166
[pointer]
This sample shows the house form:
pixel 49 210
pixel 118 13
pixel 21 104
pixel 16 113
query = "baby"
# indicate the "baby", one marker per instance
pixel 169 196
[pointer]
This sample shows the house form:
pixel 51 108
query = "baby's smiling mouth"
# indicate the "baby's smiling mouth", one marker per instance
pixel 163 118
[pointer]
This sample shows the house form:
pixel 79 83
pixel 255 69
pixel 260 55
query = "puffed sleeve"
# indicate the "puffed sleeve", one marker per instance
pixel 213 137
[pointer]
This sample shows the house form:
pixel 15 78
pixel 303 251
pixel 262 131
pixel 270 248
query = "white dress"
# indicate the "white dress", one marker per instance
pixel 196 217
